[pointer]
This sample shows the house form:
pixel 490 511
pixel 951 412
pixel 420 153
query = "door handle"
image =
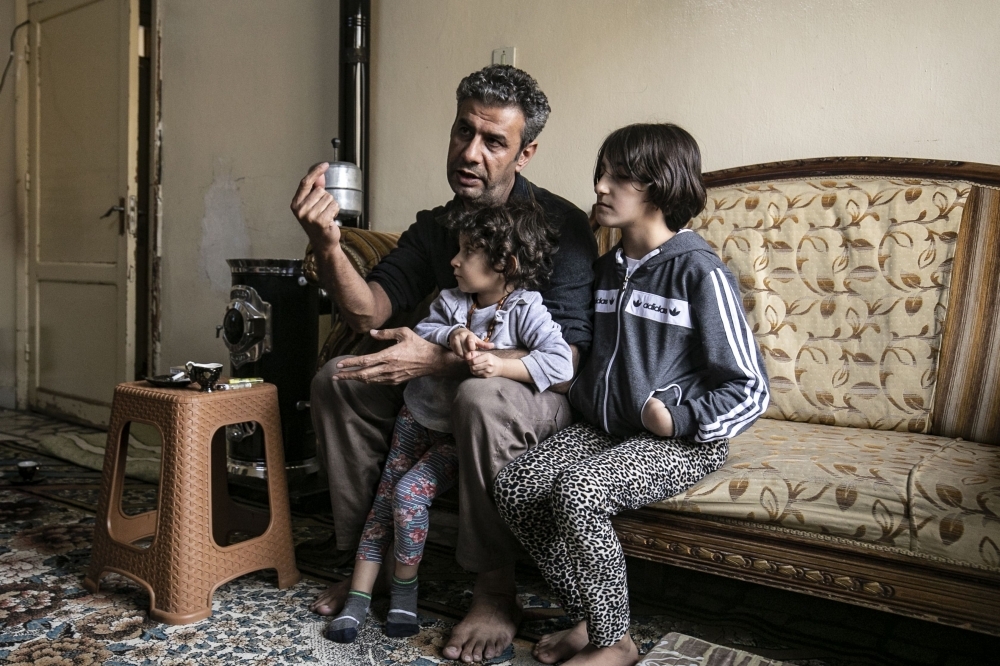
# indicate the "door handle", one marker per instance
pixel 120 209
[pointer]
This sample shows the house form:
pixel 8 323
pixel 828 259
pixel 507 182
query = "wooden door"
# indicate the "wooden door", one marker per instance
pixel 83 139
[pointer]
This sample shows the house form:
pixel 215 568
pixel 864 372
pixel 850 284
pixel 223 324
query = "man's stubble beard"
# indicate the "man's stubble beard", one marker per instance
pixel 493 196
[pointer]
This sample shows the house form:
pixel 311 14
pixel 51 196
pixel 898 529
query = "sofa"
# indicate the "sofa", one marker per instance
pixel 873 288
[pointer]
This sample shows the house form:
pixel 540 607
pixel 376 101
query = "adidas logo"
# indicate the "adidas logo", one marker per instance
pixel 655 308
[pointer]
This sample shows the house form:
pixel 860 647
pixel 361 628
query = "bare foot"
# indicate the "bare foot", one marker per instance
pixel 560 645
pixel 489 626
pixel 622 653
pixel 331 600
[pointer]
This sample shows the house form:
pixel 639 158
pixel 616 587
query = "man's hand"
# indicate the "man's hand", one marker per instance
pixel 657 419
pixel 316 209
pixel 563 388
pixel 409 358
pixel 465 343
pixel 363 306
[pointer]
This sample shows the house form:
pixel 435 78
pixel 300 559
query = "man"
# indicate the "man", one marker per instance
pixel 355 400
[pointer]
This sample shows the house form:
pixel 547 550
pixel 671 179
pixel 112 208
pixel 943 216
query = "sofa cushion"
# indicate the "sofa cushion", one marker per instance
pixel 955 498
pixel 845 283
pixel 844 482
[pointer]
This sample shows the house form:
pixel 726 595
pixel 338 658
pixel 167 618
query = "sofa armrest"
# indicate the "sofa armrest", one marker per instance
pixel 363 247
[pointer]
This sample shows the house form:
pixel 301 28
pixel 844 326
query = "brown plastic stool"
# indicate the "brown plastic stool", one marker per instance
pixel 184 564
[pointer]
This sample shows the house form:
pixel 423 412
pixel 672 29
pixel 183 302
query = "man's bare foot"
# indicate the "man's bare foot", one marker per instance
pixel 561 645
pixel 486 630
pixel 622 653
pixel 331 600
pixel 489 626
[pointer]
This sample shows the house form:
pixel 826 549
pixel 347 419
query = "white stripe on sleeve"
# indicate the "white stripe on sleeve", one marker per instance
pixel 744 354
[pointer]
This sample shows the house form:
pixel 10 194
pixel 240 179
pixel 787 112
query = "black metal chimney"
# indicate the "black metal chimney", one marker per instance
pixel 354 124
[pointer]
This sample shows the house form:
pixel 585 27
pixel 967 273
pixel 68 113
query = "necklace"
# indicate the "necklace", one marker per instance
pixel 493 322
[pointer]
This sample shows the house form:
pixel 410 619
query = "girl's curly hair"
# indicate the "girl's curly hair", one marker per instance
pixel 516 229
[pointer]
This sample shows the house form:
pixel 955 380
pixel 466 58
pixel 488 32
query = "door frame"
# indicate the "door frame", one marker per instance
pixel 20 83
pixel 155 220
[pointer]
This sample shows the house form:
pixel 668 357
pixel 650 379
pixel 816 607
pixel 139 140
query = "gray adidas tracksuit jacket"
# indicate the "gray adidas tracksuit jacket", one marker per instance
pixel 674 330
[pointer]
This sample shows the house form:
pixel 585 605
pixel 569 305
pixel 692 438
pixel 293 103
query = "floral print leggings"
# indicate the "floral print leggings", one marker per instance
pixel 421 464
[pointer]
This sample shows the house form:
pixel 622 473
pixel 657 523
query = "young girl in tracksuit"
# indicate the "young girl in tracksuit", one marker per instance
pixel 673 374
pixel 505 252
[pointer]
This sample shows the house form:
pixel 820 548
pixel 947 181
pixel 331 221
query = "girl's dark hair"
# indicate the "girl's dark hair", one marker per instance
pixel 515 229
pixel 663 157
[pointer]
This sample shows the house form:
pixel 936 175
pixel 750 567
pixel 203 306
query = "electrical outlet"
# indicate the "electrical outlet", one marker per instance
pixel 504 55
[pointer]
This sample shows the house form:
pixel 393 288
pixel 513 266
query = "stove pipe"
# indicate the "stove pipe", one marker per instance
pixel 354 125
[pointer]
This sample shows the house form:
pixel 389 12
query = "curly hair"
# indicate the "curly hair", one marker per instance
pixel 515 230
pixel 663 157
pixel 503 85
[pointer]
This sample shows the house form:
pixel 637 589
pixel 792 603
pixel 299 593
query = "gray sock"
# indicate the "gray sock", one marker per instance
pixel 345 627
pixel 402 619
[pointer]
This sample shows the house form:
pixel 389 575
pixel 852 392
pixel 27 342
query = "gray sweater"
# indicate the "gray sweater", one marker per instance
pixel 673 330
pixel 524 322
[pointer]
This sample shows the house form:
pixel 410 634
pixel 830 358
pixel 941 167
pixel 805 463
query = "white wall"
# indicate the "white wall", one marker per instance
pixel 250 101
pixel 9 224
pixel 753 80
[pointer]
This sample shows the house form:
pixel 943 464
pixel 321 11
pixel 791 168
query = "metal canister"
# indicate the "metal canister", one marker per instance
pixel 343 181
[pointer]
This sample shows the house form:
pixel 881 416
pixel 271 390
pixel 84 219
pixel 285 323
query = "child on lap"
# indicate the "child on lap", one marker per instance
pixel 504 253
pixel 673 374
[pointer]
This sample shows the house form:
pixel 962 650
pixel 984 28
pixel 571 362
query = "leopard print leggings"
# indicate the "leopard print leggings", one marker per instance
pixel 559 497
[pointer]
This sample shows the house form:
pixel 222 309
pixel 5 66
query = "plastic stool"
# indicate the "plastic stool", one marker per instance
pixel 184 564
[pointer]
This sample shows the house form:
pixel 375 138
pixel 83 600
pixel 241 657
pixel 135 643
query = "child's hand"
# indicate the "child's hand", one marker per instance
pixel 465 343
pixel 458 339
pixel 656 417
pixel 486 365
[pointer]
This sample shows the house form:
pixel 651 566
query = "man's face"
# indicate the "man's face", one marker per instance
pixel 485 152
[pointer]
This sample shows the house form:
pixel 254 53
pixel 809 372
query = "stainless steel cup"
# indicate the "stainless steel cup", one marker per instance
pixel 343 181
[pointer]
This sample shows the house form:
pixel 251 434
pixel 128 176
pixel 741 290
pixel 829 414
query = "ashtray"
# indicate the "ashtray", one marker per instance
pixel 169 381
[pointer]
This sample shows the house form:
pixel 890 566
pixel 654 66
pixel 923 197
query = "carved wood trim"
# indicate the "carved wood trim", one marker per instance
pixel 661 521
pixel 889 581
pixel 888 167
pixel 763 566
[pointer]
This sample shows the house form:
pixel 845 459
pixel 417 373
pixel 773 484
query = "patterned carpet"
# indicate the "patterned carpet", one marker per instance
pixel 47 617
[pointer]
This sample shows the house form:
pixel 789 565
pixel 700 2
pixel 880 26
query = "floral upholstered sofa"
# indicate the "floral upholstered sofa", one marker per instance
pixel 873 287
